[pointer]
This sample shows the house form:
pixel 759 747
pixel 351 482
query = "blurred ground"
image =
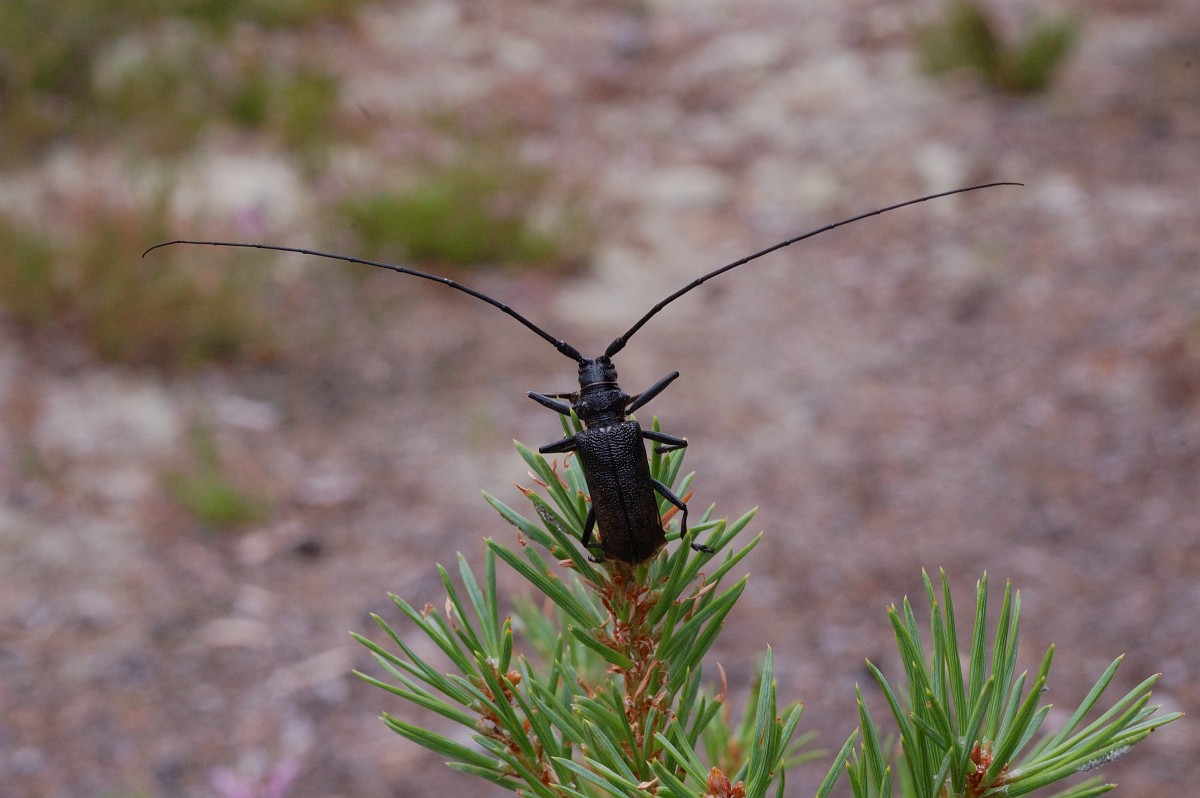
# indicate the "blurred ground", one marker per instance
pixel 1007 381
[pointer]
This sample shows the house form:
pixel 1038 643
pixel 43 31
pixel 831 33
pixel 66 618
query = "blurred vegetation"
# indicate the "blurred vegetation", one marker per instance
pixel 148 77
pixel 150 81
pixel 130 310
pixel 208 494
pixel 477 211
pixel 966 38
pixel 163 102
pixel 157 70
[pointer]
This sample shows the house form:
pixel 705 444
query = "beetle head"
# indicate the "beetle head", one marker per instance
pixel 595 371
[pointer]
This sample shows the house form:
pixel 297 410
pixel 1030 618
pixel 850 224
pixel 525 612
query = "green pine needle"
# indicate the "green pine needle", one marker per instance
pixel 972 737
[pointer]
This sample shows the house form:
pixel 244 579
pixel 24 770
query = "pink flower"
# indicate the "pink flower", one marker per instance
pixel 275 784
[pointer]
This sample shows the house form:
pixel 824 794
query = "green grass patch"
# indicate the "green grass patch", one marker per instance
pixel 966 38
pixel 159 71
pixel 29 289
pixel 165 311
pixel 221 15
pixel 307 101
pixel 297 107
pixel 208 494
pixel 163 100
pixel 468 214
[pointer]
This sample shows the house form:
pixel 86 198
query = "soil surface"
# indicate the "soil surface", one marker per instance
pixel 1007 381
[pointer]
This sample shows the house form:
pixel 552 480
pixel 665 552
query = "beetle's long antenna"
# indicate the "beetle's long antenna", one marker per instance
pixel 561 346
pixel 619 344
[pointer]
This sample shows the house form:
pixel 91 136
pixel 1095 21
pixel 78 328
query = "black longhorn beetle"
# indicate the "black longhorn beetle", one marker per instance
pixel 611 453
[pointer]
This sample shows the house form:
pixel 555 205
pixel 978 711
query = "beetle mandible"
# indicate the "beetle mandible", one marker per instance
pixel 610 449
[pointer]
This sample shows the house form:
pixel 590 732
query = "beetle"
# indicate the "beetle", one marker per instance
pixel 610 446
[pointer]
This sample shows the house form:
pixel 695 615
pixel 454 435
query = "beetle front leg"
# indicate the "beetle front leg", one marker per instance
pixel 672 443
pixel 654 390
pixel 552 401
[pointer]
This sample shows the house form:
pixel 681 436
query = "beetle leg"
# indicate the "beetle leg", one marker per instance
pixel 654 390
pixel 672 442
pixel 670 496
pixel 568 444
pixel 550 401
pixel 589 526
pixel 667 494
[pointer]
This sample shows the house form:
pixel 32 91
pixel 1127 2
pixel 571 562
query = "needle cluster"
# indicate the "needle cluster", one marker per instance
pixel 592 686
